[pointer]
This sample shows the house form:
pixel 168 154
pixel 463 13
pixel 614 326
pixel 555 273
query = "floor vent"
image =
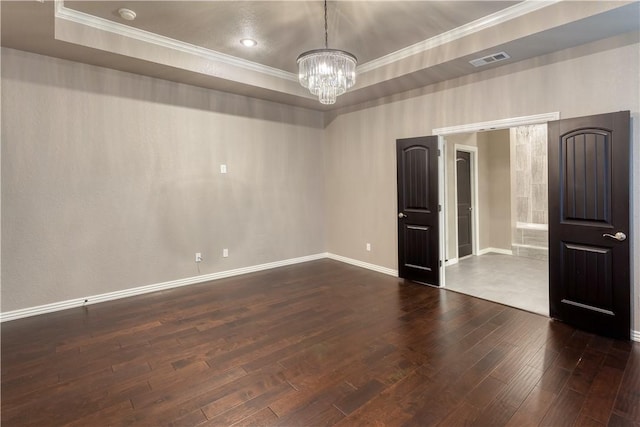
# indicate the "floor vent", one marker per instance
pixel 489 59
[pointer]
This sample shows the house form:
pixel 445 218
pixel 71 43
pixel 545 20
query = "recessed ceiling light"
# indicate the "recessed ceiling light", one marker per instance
pixel 127 14
pixel 248 42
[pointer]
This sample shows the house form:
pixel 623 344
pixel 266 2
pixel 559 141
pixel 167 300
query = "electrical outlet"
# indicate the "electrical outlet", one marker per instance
pixel 223 168
pixel 225 253
pixel 198 257
pixel 368 247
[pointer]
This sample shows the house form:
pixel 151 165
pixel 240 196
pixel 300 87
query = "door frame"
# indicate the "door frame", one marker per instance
pixel 469 128
pixel 473 160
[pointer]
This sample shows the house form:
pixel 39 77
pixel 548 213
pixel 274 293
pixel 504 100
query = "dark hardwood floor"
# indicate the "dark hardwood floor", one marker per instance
pixel 321 343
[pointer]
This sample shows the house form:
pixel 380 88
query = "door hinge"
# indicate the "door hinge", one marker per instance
pixel 439 208
pixel 439 152
pixel 440 263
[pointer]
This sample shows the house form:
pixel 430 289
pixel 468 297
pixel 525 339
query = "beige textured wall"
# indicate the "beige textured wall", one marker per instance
pixel 484 192
pixel 112 180
pixel 361 171
pixel 496 149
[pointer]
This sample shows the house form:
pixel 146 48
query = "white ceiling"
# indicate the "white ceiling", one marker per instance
pixel 400 45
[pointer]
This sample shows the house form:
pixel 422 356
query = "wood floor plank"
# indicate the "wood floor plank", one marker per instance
pixel 620 421
pixel 359 397
pixel 587 368
pixel 554 379
pixel 628 399
pixel 585 421
pixel 484 393
pixel 602 394
pixel 320 343
pixel 496 414
pixel 520 386
pixel 391 407
pixel 262 418
pixel 565 409
pixel 533 409
pixel 255 408
pixel 464 414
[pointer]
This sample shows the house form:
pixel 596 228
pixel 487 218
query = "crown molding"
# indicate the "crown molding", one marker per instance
pixel 472 27
pixel 515 11
pixel 62 12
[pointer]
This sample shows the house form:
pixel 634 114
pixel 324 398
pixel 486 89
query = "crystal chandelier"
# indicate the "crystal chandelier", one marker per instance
pixel 327 72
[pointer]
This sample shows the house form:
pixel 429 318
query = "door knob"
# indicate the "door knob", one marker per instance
pixel 402 215
pixel 619 236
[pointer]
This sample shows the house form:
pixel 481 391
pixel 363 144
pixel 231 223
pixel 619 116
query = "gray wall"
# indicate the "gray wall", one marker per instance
pixel 112 181
pixel 495 189
pixel 590 79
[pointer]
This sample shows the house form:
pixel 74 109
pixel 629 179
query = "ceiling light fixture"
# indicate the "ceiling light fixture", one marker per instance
pixel 327 72
pixel 127 14
pixel 248 42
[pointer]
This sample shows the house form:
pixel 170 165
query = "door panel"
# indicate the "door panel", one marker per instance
pixel 463 190
pixel 586 178
pixel 587 277
pixel 589 272
pixel 418 252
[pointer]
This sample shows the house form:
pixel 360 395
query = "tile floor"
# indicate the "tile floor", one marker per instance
pixel 515 281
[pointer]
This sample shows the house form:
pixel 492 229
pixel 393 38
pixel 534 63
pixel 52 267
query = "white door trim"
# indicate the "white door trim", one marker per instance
pixel 441 210
pixel 497 124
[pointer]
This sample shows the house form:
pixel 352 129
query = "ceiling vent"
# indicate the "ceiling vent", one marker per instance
pixel 489 59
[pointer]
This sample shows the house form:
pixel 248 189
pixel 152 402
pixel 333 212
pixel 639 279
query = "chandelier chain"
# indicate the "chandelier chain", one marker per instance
pixel 326 30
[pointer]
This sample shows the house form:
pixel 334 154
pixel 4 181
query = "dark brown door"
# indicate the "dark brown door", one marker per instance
pixel 418 251
pixel 463 187
pixel 589 275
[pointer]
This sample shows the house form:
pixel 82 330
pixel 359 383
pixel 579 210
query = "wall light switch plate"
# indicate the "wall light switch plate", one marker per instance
pixel 368 247
pixel 225 253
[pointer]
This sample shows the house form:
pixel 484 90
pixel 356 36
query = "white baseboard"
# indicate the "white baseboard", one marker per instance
pixel 520 245
pixel 532 226
pixel 109 296
pixel 374 267
pixel 495 250
pixel 79 302
pixel 452 261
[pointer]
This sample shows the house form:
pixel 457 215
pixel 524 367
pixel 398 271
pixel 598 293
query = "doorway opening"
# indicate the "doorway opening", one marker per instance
pixel 463 199
pixel 506 230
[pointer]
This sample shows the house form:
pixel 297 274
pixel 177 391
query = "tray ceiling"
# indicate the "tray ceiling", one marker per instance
pixel 400 45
